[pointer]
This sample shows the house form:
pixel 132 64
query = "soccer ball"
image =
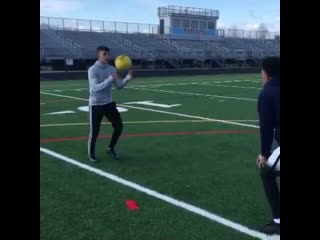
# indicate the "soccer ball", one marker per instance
pixel 123 62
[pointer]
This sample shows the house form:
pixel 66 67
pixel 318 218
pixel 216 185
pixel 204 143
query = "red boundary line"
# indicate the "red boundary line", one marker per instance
pixel 151 135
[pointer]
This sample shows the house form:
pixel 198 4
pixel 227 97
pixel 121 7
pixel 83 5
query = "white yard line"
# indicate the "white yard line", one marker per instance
pixel 66 89
pixel 164 84
pixel 191 83
pixel 192 116
pixel 227 86
pixel 63 96
pixel 47 87
pixel 160 111
pixel 212 83
pixel 175 83
pixel 192 94
pixel 178 203
pixel 141 122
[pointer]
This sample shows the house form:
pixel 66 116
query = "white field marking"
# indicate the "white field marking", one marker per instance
pixel 77 89
pixel 192 116
pixel 213 83
pixel 86 109
pixel 273 237
pixel 151 103
pixel 165 112
pixel 189 83
pixel 192 94
pixel 163 84
pixel 66 89
pixel 62 112
pixel 42 103
pixel 141 122
pixel 149 85
pixel 65 85
pixel 244 120
pixel 49 87
pixel 230 86
pixel 204 213
pixel 64 96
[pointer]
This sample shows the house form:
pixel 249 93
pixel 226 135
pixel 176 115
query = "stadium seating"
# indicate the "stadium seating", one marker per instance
pixel 152 47
pixel 49 46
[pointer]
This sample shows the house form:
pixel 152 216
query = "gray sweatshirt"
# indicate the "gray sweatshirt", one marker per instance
pixel 100 83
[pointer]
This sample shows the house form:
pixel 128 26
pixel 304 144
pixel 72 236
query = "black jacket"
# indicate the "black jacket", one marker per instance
pixel 269 115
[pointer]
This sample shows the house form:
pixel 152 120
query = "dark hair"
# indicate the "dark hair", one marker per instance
pixel 271 66
pixel 103 48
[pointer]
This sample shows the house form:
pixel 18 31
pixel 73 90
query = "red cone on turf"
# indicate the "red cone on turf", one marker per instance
pixel 132 205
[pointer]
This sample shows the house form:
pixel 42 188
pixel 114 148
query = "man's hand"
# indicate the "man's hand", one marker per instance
pixel 261 161
pixel 115 77
pixel 129 75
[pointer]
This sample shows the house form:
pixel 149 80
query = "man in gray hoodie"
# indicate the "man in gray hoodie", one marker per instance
pixel 101 78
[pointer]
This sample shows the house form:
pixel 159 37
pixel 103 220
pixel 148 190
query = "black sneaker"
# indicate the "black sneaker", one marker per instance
pixel 92 158
pixel 270 228
pixel 113 153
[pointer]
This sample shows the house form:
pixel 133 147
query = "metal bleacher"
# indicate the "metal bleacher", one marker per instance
pixel 148 44
pixel 49 46
pixel 88 42
pixel 62 43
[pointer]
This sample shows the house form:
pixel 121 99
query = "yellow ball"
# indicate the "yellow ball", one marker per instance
pixel 123 62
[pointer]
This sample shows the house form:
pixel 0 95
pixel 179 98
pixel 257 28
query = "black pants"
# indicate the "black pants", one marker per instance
pixel 271 189
pixel 96 114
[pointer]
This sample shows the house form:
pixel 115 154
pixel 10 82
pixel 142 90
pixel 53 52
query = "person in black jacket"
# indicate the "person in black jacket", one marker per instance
pixel 269 121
